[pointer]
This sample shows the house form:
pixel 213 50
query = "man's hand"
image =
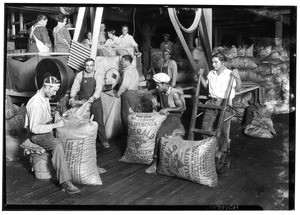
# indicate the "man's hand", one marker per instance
pixel 235 73
pixel 91 99
pixel 59 124
pixel 164 111
pixel 200 72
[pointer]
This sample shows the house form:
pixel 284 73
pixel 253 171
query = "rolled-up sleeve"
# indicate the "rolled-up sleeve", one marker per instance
pixel 76 85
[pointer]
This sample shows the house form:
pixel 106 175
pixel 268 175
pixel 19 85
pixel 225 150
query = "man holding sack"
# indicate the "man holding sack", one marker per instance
pixel 89 86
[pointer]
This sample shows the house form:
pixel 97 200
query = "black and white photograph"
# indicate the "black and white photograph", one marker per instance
pixel 126 106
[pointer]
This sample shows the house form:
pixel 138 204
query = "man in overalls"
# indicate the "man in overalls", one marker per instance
pixel 173 105
pixel 90 85
pixel 169 67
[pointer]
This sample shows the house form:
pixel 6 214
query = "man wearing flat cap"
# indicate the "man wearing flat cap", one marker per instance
pixel 166 44
pixel 173 105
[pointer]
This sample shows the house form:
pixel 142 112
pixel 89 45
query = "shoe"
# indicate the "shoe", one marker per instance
pixel 101 170
pixel 105 145
pixel 152 168
pixel 69 188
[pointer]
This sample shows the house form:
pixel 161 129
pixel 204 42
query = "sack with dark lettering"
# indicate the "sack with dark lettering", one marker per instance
pixel 142 130
pixel 191 160
pixel 79 142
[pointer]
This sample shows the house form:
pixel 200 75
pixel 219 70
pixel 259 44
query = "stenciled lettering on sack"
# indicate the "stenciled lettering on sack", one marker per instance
pixel 168 157
pixel 187 163
pixel 143 132
pixel 74 151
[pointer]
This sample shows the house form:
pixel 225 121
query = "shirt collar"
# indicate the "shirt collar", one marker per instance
pixel 41 97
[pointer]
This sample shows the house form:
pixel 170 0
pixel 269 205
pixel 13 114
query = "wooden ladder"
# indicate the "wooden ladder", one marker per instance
pixel 222 160
pixel 197 105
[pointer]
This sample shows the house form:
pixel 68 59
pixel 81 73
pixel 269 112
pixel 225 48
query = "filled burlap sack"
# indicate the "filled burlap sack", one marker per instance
pixel 79 142
pixel 142 130
pixel 191 160
pixel 10 108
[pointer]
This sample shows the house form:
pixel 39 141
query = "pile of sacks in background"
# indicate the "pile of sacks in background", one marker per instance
pixel 268 66
pixel 15 133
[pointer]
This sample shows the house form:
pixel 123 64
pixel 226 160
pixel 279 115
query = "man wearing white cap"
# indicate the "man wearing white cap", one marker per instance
pixel 40 123
pixel 167 44
pixel 173 105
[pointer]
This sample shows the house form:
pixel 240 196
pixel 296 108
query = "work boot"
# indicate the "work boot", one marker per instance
pixel 68 187
pixel 105 145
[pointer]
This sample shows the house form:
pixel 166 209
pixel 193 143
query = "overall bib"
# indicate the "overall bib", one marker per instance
pixel 87 89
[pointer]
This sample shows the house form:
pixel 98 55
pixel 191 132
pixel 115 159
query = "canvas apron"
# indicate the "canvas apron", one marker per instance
pixel 40 45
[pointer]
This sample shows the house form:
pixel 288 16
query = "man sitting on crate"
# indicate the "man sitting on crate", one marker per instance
pixel 217 83
pixel 40 123
pixel 173 105
pixel 89 86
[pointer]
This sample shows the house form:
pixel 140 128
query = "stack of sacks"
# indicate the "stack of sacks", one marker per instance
pixel 269 67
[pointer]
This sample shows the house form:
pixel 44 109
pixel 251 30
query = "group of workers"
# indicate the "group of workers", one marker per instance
pixel 39 40
pixel 87 86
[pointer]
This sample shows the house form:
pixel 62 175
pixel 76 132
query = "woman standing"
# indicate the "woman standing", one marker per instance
pixel 112 40
pixel 39 40
pixel 89 40
pixel 61 35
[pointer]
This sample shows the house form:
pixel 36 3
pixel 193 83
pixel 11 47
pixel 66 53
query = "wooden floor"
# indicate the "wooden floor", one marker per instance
pixel 258 178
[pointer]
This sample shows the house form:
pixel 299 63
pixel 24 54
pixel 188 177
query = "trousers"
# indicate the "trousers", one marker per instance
pixel 50 143
pixel 210 119
pixel 168 126
pixel 97 111
pixel 129 99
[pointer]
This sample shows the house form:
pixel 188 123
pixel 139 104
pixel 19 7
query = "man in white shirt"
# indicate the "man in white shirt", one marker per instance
pixel 128 40
pixel 217 83
pixel 128 89
pixel 40 123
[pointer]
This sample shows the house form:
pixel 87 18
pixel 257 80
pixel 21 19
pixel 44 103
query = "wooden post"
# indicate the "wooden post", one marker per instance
pixel 278 32
pixel 78 25
pixel 207 12
pixel 21 21
pixel 96 31
pixel 13 26
pixel 182 39
pixel 92 16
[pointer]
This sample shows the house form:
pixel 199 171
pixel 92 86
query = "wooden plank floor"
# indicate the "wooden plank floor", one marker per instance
pixel 258 176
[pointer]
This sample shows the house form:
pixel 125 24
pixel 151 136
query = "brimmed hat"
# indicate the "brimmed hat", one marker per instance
pixel 161 78
pixel 168 35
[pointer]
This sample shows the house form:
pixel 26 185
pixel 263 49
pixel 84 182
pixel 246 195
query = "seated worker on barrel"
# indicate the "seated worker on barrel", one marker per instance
pixel 217 83
pixel 40 123
pixel 173 105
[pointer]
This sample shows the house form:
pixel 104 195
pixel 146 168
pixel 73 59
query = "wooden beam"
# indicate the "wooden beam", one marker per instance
pixel 13 27
pixel 78 23
pixel 278 33
pixel 96 31
pixel 207 12
pixel 182 39
pixel 21 20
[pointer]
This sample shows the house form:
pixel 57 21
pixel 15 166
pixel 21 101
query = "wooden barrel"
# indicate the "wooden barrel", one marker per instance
pixel 42 166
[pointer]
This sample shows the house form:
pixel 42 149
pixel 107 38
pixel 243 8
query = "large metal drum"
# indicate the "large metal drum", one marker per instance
pixel 58 68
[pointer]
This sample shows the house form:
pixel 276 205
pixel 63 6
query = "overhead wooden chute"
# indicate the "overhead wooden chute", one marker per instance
pixel 198 23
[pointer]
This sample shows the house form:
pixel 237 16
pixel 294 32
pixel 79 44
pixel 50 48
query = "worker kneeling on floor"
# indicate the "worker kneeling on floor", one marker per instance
pixel 40 123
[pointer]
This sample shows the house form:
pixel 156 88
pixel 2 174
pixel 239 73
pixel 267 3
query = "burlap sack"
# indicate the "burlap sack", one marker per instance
pixel 191 160
pixel 142 130
pixel 79 141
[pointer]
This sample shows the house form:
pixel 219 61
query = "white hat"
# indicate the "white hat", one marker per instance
pixel 161 78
